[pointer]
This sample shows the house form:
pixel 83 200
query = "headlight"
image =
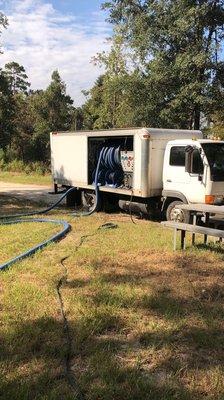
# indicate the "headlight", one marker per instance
pixel 214 199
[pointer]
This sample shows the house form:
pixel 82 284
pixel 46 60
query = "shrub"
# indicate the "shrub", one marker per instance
pixel 2 165
pixel 28 168
pixel 15 166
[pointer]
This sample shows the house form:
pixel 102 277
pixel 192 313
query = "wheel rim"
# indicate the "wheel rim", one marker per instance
pixel 177 215
pixel 90 200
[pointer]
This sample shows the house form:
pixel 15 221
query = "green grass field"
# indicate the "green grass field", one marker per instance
pixel 145 322
pixel 19 177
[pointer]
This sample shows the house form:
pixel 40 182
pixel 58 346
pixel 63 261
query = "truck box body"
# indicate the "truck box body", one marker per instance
pixel 73 155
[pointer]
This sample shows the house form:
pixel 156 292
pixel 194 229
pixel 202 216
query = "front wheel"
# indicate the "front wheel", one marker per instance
pixel 173 213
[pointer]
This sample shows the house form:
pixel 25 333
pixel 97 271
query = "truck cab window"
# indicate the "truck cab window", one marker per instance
pixel 197 166
pixel 177 156
pixel 214 152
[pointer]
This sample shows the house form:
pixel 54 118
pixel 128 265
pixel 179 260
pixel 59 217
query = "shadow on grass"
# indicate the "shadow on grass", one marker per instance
pixel 12 205
pixel 31 354
pixel 214 247
pixel 107 363
pixel 34 351
pixel 194 339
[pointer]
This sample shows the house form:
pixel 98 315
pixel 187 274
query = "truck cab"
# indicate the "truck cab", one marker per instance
pixel 193 172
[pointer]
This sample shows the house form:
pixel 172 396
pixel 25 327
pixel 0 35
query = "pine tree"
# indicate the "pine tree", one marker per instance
pixel 7 111
pixel 3 24
pixel 7 105
pixel 51 110
pixel 58 103
pixel 17 78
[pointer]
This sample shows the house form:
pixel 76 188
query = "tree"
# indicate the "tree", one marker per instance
pixel 7 110
pixel 51 110
pixel 109 102
pixel 23 122
pixel 17 78
pixel 19 119
pixel 27 117
pixel 6 101
pixel 59 104
pixel 77 119
pixel 176 45
pixel 92 106
pixel 3 23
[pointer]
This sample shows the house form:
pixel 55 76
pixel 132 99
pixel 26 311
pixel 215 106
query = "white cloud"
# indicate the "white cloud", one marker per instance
pixel 42 40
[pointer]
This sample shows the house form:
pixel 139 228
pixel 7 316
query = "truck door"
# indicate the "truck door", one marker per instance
pixel 176 179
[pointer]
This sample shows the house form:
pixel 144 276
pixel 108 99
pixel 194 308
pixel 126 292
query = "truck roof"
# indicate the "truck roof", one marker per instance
pixel 153 133
pixel 193 140
pixel 211 141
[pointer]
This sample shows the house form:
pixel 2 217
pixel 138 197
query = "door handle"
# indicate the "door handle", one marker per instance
pixel 168 180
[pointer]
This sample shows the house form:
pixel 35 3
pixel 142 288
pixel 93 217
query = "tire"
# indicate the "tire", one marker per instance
pixel 175 214
pixel 89 200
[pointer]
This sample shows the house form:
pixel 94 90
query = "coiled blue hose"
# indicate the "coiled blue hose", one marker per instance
pixel 110 172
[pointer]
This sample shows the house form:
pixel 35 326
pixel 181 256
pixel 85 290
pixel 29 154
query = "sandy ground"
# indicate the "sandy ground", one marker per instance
pixel 35 193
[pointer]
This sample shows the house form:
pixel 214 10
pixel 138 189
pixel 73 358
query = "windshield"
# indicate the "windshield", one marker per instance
pixel 215 155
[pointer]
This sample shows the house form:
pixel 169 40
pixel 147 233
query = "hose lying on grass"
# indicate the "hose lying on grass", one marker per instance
pixel 66 226
pixel 57 236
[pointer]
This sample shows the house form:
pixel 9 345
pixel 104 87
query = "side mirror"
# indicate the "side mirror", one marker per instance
pixel 189 159
pixel 193 161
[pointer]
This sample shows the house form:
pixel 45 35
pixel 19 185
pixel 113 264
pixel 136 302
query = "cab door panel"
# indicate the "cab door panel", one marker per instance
pixel 176 179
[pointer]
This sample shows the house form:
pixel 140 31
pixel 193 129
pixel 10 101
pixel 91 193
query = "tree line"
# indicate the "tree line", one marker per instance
pixel 27 116
pixel 164 69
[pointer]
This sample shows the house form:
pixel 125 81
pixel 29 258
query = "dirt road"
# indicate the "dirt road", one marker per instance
pixel 34 193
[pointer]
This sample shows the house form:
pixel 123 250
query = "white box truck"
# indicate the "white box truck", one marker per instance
pixel 142 169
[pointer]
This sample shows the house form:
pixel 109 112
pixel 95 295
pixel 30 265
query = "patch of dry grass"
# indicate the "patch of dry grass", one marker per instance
pixel 19 177
pixel 145 322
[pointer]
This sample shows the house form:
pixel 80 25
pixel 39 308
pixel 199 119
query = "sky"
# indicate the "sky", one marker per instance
pixel 44 35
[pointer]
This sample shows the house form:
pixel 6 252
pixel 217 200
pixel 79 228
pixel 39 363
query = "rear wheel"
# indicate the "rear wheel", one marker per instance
pixel 173 213
pixel 89 200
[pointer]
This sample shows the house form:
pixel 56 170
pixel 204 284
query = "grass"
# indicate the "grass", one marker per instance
pixel 145 322
pixel 19 177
